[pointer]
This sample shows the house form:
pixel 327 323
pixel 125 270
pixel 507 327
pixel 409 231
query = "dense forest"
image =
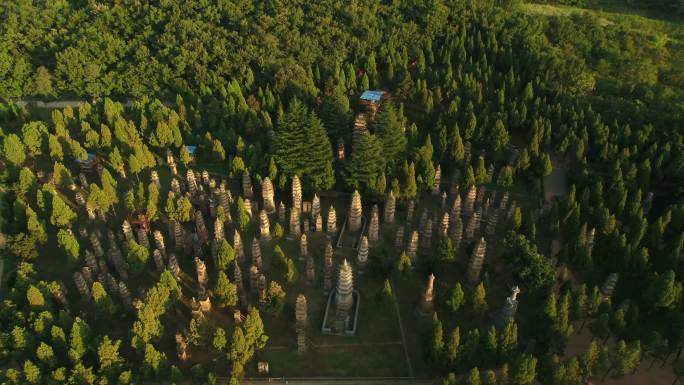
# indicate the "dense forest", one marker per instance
pixel 271 90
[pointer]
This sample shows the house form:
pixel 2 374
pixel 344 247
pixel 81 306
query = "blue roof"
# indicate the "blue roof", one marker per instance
pixel 373 96
pixel 88 160
pixel 191 149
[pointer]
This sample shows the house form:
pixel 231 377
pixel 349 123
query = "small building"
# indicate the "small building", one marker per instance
pixel 372 100
pixel 87 164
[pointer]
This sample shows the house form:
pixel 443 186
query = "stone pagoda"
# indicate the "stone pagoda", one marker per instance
pixel 247 190
pixel 256 253
pixel 470 201
pixel 315 207
pixel 267 195
pixel 437 181
pixel 456 232
pixel 510 306
pixel 362 254
pixel 390 207
pixel 412 249
pixel 344 298
pixel 332 222
pixel 201 268
pixel 238 246
pixel 303 248
pixel 456 207
pixel 295 226
pixel 476 261
pixel 444 225
pixel 264 225
pixel 374 228
pixel 296 193
pixel 328 268
pixel 426 307
pixel 609 286
pixel 355 212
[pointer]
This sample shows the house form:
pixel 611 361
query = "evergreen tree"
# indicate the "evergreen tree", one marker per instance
pixel 225 255
pixel 137 256
pixel 389 130
pixel 242 215
pixel 225 292
pixel 336 114
pixel 365 166
pixel 457 298
pixel 303 148
pixel 473 377
pixel 499 136
pixel 479 300
pixel 62 214
pixel 14 150
pixel 437 340
pixel 453 346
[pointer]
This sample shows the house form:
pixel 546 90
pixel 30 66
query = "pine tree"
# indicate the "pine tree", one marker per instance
pixel 411 189
pixel 473 377
pixel 303 148
pixel 453 346
pixel 508 339
pixel 457 298
pixel 103 302
pixel 225 292
pixel 366 165
pixel 242 215
pixel 457 150
pixel 225 255
pixel 499 136
pixel 62 214
pixel 479 300
pixel 220 340
pixel 389 130
pixel 14 150
pixel 336 115
pixel 437 343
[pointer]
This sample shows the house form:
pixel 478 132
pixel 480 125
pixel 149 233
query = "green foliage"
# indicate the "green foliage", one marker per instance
pixel 225 255
pixel 13 149
pixel 62 214
pixel 302 147
pixel 388 128
pixel 533 271
pixel 225 292
pixel 456 298
pixel 275 299
pixel 403 265
pixel 445 250
pixel 384 295
pixel 478 300
pixel 68 242
pixel 365 166
pixel 35 297
pixel 137 256
pixel 243 217
pixel 104 304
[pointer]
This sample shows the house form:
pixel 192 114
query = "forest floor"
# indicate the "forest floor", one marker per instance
pixel 655 375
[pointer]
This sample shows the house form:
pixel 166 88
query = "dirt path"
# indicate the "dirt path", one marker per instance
pixel 401 329
pixel 556 184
